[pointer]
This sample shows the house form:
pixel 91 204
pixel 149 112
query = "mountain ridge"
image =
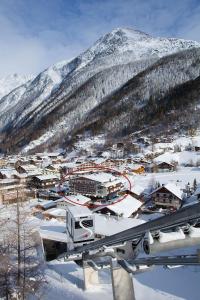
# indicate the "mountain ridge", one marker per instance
pixel 72 89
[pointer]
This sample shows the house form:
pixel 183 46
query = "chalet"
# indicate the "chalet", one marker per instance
pixel 165 166
pixel 27 169
pixel 67 168
pixel 160 167
pixel 167 196
pixel 7 173
pixel 96 185
pixel 52 155
pixel 44 181
pixel 53 169
pixel 10 190
pixel 112 163
pixel 124 208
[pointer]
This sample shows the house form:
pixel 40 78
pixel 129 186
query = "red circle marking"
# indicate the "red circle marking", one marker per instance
pixel 98 167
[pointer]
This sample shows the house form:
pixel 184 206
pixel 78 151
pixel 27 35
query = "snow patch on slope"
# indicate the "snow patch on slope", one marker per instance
pixel 11 82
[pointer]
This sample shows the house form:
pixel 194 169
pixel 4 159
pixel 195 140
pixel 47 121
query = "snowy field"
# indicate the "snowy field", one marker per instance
pixel 65 281
pixel 180 177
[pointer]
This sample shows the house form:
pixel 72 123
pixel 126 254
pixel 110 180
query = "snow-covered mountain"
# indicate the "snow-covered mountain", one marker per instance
pixel 11 82
pixel 57 101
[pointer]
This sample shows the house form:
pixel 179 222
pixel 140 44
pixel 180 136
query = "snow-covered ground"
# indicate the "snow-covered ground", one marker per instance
pixel 181 177
pixel 65 281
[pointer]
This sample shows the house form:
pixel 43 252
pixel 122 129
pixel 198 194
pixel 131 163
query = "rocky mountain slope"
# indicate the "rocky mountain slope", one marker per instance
pixel 11 82
pixel 101 89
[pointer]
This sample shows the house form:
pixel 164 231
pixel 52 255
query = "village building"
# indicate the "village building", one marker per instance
pixel 11 190
pixel 161 167
pixel 165 167
pixel 96 185
pixel 27 169
pixel 125 208
pixel 72 200
pixel 167 196
pixel 67 168
pixel 44 181
pixel 3 162
pixel 7 173
pixel 51 155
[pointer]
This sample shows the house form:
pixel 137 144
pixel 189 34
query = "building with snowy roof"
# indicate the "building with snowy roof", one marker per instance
pixel 95 184
pixel 124 208
pixel 168 196
pixel 44 181
pixel 72 200
pixel 7 173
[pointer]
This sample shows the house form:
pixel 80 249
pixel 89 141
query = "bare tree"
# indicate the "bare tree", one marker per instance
pixel 21 269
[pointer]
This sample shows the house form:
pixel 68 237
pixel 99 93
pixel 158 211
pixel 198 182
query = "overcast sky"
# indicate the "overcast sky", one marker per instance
pixel 37 33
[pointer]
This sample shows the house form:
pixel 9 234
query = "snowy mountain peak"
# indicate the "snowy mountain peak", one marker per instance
pixel 129 33
pixel 140 44
pixel 11 82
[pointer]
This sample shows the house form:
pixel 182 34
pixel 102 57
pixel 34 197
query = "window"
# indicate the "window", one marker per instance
pixel 86 223
pixel 77 225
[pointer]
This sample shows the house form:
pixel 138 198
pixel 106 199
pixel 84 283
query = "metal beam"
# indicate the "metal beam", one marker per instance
pixel 168 260
pixel 181 217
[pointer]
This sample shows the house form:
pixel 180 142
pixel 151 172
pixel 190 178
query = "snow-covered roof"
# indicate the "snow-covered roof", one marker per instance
pixel 108 225
pixel 182 157
pixel 161 162
pixel 173 188
pixel 79 199
pixel 8 172
pixel 68 165
pixel 101 177
pixel 46 177
pixel 29 167
pixel 48 154
pixel 54 231
pixel 126 207
pixel 8 180
pixel 137 189
pixel 56 212
pixel 79 211
pixel 99 160
pixel 46 204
